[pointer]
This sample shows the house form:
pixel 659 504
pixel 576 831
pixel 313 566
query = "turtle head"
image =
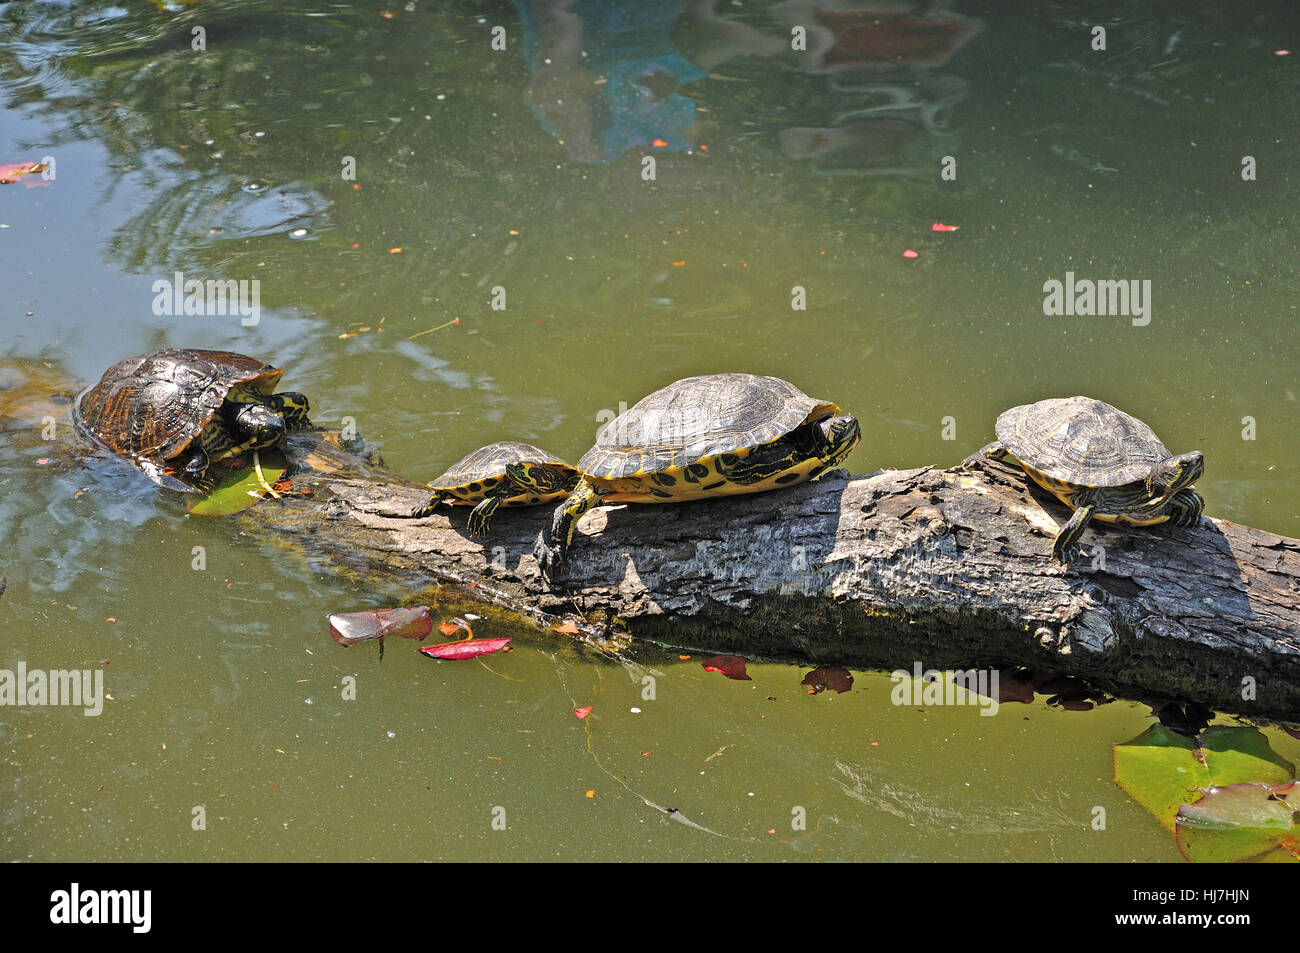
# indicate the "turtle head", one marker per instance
pixel 256 424
pixel 836 437
pixel 293 407
pixel 1171 476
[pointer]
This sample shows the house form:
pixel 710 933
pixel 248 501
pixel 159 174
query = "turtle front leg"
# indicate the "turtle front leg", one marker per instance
pixel 552 546
pixel 1185 508
pixel 481 516
pixel 216 440
pixel 1066 548
pixel 428 508
pixel 993 451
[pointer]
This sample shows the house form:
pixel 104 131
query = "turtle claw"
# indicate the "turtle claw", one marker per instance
pixel 427 509
pixel 1067 554
pixel 989 453
pixel 549 558
pixel 1066 547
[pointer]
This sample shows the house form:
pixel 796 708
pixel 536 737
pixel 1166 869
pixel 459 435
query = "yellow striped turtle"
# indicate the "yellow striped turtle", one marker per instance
pixel 1102 463
pixel 703 437
pixel 501 474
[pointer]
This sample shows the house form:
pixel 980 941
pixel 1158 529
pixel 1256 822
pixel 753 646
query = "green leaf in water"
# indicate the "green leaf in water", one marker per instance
pixel 1241 822
pixel 241 489
pixel 1162 770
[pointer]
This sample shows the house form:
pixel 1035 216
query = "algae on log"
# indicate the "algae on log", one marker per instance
pixel 951 568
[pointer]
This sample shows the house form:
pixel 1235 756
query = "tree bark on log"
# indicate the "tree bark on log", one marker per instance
pixel 951 568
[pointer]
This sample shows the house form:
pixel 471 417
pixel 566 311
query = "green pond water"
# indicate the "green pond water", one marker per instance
pixel 496 169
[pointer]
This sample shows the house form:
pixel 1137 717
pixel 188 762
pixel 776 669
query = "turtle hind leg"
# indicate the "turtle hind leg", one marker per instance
pixel 993 451
pixel 1066 548
pixel 1186 507
pixel 552 546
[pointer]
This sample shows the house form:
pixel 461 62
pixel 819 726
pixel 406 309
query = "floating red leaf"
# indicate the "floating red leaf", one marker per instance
pixel 732 666
pixel 14 171
pixel 467 648
pixel 940 227
pixel 584 711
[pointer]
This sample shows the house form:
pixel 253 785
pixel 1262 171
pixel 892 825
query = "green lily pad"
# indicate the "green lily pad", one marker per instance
pixel 1241 822
pixel 240 489
pixel 1162 770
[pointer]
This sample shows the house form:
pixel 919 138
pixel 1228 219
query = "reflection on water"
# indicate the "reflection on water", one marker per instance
pixel 505 201
pixel 605 76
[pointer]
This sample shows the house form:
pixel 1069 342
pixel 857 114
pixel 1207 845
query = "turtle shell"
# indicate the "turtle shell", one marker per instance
pixel 1081 441
pixel 490 462
pixel 150 408
pixel 697 418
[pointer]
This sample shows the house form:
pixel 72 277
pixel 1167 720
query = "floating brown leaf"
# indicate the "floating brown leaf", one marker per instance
pixel 834 677
pixel 456 625
pixel 732 666
pixel 349 628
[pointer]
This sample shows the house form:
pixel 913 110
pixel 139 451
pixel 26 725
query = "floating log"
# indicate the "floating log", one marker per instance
pixel 951 568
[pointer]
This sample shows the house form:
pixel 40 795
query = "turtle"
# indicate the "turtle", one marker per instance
pixel 703 437
pixel 1101 462
pixel 501 474
pixel 176 412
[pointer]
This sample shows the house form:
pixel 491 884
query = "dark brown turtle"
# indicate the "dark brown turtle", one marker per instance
pixel 174 413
